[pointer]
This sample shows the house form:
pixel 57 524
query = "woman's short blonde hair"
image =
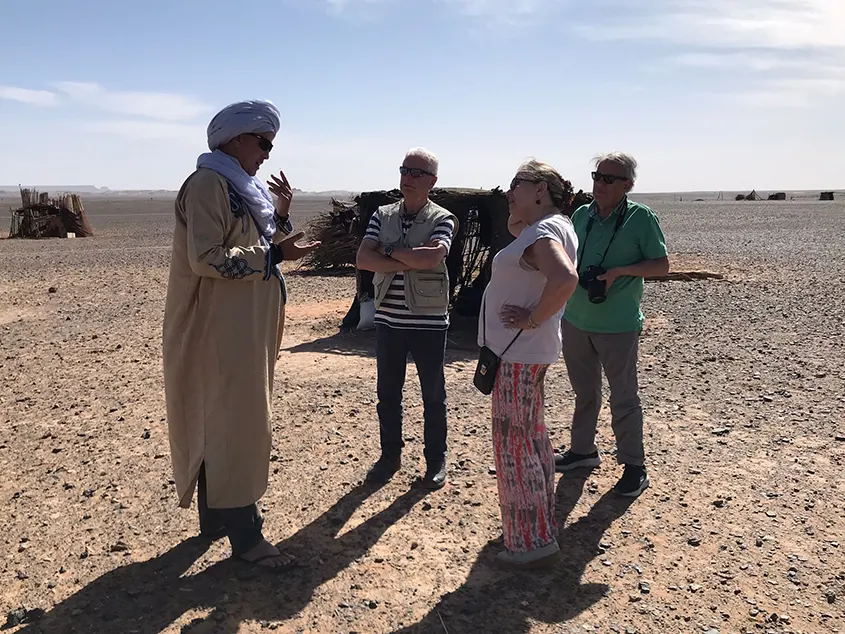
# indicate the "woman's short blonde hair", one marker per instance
pixel 560 189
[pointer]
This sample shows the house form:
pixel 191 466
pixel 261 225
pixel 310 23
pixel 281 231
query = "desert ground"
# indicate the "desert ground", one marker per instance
pixel 742 529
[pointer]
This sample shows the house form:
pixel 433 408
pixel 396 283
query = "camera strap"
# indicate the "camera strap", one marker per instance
pixel 619 220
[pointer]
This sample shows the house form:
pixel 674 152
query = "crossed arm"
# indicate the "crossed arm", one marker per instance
pixel 371 257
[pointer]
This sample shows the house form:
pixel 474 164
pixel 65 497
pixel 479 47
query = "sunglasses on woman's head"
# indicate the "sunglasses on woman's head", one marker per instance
pixel 264 144
pixel 607 178
pixel 414 172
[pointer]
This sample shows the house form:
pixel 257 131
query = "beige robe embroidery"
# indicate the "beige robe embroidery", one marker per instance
pixel 223 323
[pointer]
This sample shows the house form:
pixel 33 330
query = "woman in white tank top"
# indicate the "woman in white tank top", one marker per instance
pixel 532 278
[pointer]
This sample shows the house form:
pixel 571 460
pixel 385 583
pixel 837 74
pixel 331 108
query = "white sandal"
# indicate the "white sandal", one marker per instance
pixel 544 557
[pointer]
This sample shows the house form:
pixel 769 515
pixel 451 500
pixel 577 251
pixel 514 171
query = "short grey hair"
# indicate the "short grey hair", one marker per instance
pixel 625 161
pixel 428 156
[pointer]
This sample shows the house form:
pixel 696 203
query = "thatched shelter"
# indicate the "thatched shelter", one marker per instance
pixel 826 196
pixel 777 196
pixel 482 232
pixel 43 217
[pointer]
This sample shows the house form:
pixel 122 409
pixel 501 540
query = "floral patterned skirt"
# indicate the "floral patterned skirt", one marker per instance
pixel 525 467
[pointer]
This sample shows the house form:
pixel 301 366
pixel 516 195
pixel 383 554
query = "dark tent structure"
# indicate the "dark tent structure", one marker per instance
pixel 752 196
pixel 482 232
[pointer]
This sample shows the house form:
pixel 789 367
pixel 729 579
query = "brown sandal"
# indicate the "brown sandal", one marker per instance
pixel 256 563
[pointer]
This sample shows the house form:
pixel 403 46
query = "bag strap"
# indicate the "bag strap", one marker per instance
pixel 484 327
pixel 511 343
pixel 484 320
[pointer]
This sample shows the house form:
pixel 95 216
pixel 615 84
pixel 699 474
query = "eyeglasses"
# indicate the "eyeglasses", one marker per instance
pixel 516 181
pixel 264 144
pixel 414 172
pixel 609 179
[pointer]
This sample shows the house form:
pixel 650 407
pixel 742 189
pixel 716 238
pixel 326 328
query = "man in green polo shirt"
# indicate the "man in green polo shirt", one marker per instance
pixel 620 244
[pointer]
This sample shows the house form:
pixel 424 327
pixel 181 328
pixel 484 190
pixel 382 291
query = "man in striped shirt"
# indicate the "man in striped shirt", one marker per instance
pixel 401 328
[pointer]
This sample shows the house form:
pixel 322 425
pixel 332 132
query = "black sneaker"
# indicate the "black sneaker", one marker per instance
pixel 567 461
pixel 633 481
pixel 435 476
pixel 384 469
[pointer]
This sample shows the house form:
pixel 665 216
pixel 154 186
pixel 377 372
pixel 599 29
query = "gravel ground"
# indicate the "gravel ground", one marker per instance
pixel 740 531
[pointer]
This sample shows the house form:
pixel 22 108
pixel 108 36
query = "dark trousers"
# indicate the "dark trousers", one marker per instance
pixel 428 349
pixel 242 525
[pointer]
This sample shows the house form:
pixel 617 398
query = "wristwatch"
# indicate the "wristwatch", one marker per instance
pixel 387 251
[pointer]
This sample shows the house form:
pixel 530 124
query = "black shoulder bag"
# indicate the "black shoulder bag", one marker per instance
pixel 488 362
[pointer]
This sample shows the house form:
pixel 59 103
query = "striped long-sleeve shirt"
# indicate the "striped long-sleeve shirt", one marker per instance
pixel 394 311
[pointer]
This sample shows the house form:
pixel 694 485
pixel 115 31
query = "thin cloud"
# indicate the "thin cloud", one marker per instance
pixel 790 53
pixel 815 71
pixel 793 92
pixel 340 5
pixel 756 61
pixel 777 24
pixel 188 133
pixel 154 105
pixel 769 99
pixel 497 13
pixel 25 95
pixel 361 11
pixel 503 8
pixel 766 24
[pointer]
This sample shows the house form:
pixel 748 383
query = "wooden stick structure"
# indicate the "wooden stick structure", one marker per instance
pixel 42 216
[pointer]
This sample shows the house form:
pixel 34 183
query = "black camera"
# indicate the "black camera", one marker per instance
pixel 596 289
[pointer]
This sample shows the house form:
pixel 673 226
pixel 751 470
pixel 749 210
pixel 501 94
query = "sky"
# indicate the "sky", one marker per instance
pixel 708 95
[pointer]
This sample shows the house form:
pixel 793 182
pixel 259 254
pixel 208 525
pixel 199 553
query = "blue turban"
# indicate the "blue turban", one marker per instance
pixel 244 117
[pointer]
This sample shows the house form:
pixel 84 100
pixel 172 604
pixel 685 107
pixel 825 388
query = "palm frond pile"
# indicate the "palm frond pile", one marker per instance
pixel 337 231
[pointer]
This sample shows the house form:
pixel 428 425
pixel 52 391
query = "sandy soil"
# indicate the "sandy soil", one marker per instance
pixel 742 529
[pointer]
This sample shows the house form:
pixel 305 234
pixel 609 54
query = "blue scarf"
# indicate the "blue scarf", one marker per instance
pixel 255 194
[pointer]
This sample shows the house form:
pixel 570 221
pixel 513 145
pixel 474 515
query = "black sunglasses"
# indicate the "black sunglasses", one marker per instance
pixel 607 178
pixel 414 172
pixel 516 181
pixel 264 144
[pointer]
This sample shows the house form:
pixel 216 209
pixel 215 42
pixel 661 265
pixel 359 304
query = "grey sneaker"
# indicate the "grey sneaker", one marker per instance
pixel 435 476
pixel 567 461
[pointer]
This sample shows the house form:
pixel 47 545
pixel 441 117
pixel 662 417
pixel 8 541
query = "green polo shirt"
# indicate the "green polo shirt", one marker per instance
pixel 639 238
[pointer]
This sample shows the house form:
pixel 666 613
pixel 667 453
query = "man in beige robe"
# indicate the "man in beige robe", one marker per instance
pixel 222 330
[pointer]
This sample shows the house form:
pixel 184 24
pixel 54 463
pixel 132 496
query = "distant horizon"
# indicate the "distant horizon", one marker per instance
pixel 104 190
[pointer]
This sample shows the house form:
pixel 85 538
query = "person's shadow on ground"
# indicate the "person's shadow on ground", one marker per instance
pixel 494 600
pixel 147 597
pixel 461 345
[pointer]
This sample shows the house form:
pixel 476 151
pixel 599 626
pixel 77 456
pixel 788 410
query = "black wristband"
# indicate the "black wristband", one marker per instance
pixel 284 225
pixel 276 255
